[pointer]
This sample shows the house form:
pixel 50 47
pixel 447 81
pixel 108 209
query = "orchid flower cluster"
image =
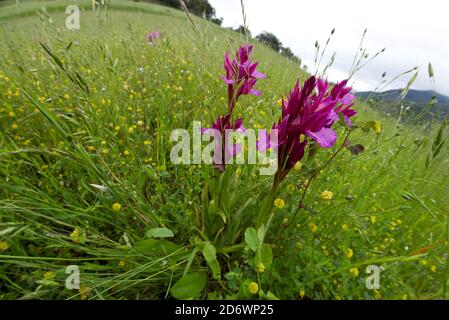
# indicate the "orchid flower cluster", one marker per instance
pixel 241 77
pixel 307 116
pixel 309 113
pixel 152 36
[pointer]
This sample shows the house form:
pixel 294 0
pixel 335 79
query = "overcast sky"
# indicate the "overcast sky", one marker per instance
pixel 414 33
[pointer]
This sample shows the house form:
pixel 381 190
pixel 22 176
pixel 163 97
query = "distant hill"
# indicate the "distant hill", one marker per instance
pixel 416 100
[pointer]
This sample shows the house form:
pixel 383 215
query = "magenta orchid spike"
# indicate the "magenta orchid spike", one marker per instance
pixel 152 36
pixel 241 75
pixel 308 115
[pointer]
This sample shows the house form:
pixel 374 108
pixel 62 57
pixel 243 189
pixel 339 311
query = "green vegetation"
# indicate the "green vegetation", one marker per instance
pixel 86 177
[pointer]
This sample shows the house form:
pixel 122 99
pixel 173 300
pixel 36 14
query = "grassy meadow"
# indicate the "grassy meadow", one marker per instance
pixel 86 177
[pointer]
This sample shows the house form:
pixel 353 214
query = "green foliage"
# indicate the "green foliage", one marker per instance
pixel 190 286
pixel 270 40
pixel 86 179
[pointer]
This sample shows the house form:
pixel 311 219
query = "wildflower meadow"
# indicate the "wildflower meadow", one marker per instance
pixel 147 153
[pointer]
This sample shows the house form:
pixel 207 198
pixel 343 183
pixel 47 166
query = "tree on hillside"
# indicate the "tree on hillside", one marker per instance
pixel 286 51
pixel 201 8
pixel 270 40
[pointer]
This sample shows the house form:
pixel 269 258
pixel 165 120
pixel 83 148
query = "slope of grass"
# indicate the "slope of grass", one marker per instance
pixel 85 121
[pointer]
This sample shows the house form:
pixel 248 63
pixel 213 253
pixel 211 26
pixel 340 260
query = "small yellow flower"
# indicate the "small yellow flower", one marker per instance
pixel 377 294
pixel 67 96
pixel 279 102
pixel 147 142
pixel 75 235
pixel 377 127
pixel 297 166
pixel 49 275
pixel 4 246
pixel 261 267
pixel 349 253
pixel 354 271
pixel 14 126
pixel 326 195
pixel 117 128
pixel 373 219
pixel 130 130
pixel 291 187
pixel 404 297
pixel 253 287
pixel 279 203
pixel 84 292
pixel 126 153
pixel 11 114
pixel 302 293
pixel 423 262
pixel 433 268
pixel 121 263
pixel 91 148
pixel 313 227
pixel 345 227
pixel 116 206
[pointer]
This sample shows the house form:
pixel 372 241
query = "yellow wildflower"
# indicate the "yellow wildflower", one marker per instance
pixel 377 294
pixel 261 267
pixel 75 235
pixel 4 246
pixel 354 271
pixel 433 268
pixel 326 195
pixel 116 206
pixel 49 275
pixel 373 219
pixel 377 127
pixel 14 126
pixel 313 227
pixel 279 203
pixel 297 166
pixel 253 287
pixel 126 153
pixel 121 263
pixel 302 293
pixel 349 253
pixel 84 292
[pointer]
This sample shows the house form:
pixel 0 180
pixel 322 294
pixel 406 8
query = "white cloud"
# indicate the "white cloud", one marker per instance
pixel 413 32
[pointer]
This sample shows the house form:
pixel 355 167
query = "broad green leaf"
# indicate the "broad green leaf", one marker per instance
pixel 209 252
pixel 210 255
pixel 251 239
pixel 159 233
pixel 264 255
pixel 190 286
